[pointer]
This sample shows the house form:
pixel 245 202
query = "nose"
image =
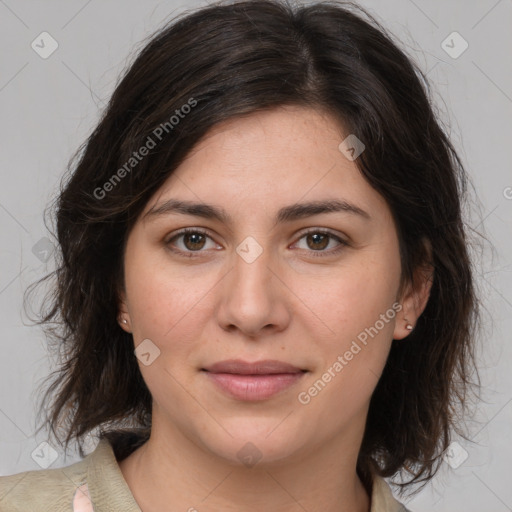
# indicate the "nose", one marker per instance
pixel 253 296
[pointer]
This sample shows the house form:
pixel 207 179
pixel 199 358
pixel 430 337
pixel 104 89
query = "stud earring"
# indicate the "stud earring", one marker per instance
pixel 408 326
pixel 125 321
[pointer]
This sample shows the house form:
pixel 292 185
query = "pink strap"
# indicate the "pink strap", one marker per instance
pixel 82 500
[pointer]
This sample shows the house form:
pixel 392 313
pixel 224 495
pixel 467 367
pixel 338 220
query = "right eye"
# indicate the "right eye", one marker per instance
pixel 193 241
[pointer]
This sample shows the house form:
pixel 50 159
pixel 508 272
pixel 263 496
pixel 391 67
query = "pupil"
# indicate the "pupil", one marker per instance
pixel 195 236
pixel 316 235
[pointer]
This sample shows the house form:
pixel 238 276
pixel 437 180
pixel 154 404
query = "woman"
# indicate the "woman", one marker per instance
pixel 265 295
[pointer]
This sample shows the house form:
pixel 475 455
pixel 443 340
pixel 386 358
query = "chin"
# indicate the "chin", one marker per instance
pixel 254 442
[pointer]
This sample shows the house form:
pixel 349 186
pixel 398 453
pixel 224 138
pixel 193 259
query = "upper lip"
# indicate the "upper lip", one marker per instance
pixel 264 367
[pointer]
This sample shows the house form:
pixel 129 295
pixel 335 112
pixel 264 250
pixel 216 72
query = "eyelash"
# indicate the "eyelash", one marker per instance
pixel 321 254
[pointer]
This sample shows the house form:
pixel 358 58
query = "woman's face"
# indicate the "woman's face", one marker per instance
pixel 256 286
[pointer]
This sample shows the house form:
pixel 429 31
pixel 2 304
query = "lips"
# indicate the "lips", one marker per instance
pixel 265 367
pixel 252 381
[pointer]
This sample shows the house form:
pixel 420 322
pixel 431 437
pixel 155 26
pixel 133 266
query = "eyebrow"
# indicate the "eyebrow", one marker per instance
pixel 285 214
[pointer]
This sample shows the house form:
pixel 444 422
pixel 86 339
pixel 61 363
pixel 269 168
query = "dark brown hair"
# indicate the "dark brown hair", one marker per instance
pixel 232 59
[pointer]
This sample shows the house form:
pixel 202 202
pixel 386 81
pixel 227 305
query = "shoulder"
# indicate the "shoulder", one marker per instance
pixel 97 479
pixel 47 490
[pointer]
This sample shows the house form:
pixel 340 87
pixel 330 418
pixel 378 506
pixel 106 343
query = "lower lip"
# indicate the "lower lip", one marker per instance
pixel 254 387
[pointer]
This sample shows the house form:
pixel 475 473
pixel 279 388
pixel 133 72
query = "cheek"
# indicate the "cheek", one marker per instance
pixel 359 309
pixel 167 310
pixel 354 296
pixel 171 308
pixel 162 297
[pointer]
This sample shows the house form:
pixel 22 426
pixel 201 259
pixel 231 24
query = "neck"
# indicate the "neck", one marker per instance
pixel 171 472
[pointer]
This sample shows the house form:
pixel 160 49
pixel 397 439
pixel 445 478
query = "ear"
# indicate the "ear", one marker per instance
pixel 415 297
pixel 123 316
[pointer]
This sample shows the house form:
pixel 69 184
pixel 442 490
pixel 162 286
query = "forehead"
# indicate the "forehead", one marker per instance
pixel 266 160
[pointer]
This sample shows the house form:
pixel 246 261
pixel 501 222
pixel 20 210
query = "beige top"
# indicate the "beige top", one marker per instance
pixel 96 484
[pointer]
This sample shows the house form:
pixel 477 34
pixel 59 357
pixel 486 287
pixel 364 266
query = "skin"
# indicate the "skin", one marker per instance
pixel 287 305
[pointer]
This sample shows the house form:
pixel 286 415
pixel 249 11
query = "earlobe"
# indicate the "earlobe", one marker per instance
pixel 414 302
pixel 404 324
pixel 124 322
pixel 123 315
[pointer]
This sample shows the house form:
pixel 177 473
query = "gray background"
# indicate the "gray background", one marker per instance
pixel 49 106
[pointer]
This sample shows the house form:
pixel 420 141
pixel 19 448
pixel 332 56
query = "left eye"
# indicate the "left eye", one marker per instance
pixel 195 239
pixel 320 240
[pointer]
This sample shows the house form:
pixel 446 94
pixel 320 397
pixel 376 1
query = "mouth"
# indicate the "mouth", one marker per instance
pixel 255 381
pixel 265 367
